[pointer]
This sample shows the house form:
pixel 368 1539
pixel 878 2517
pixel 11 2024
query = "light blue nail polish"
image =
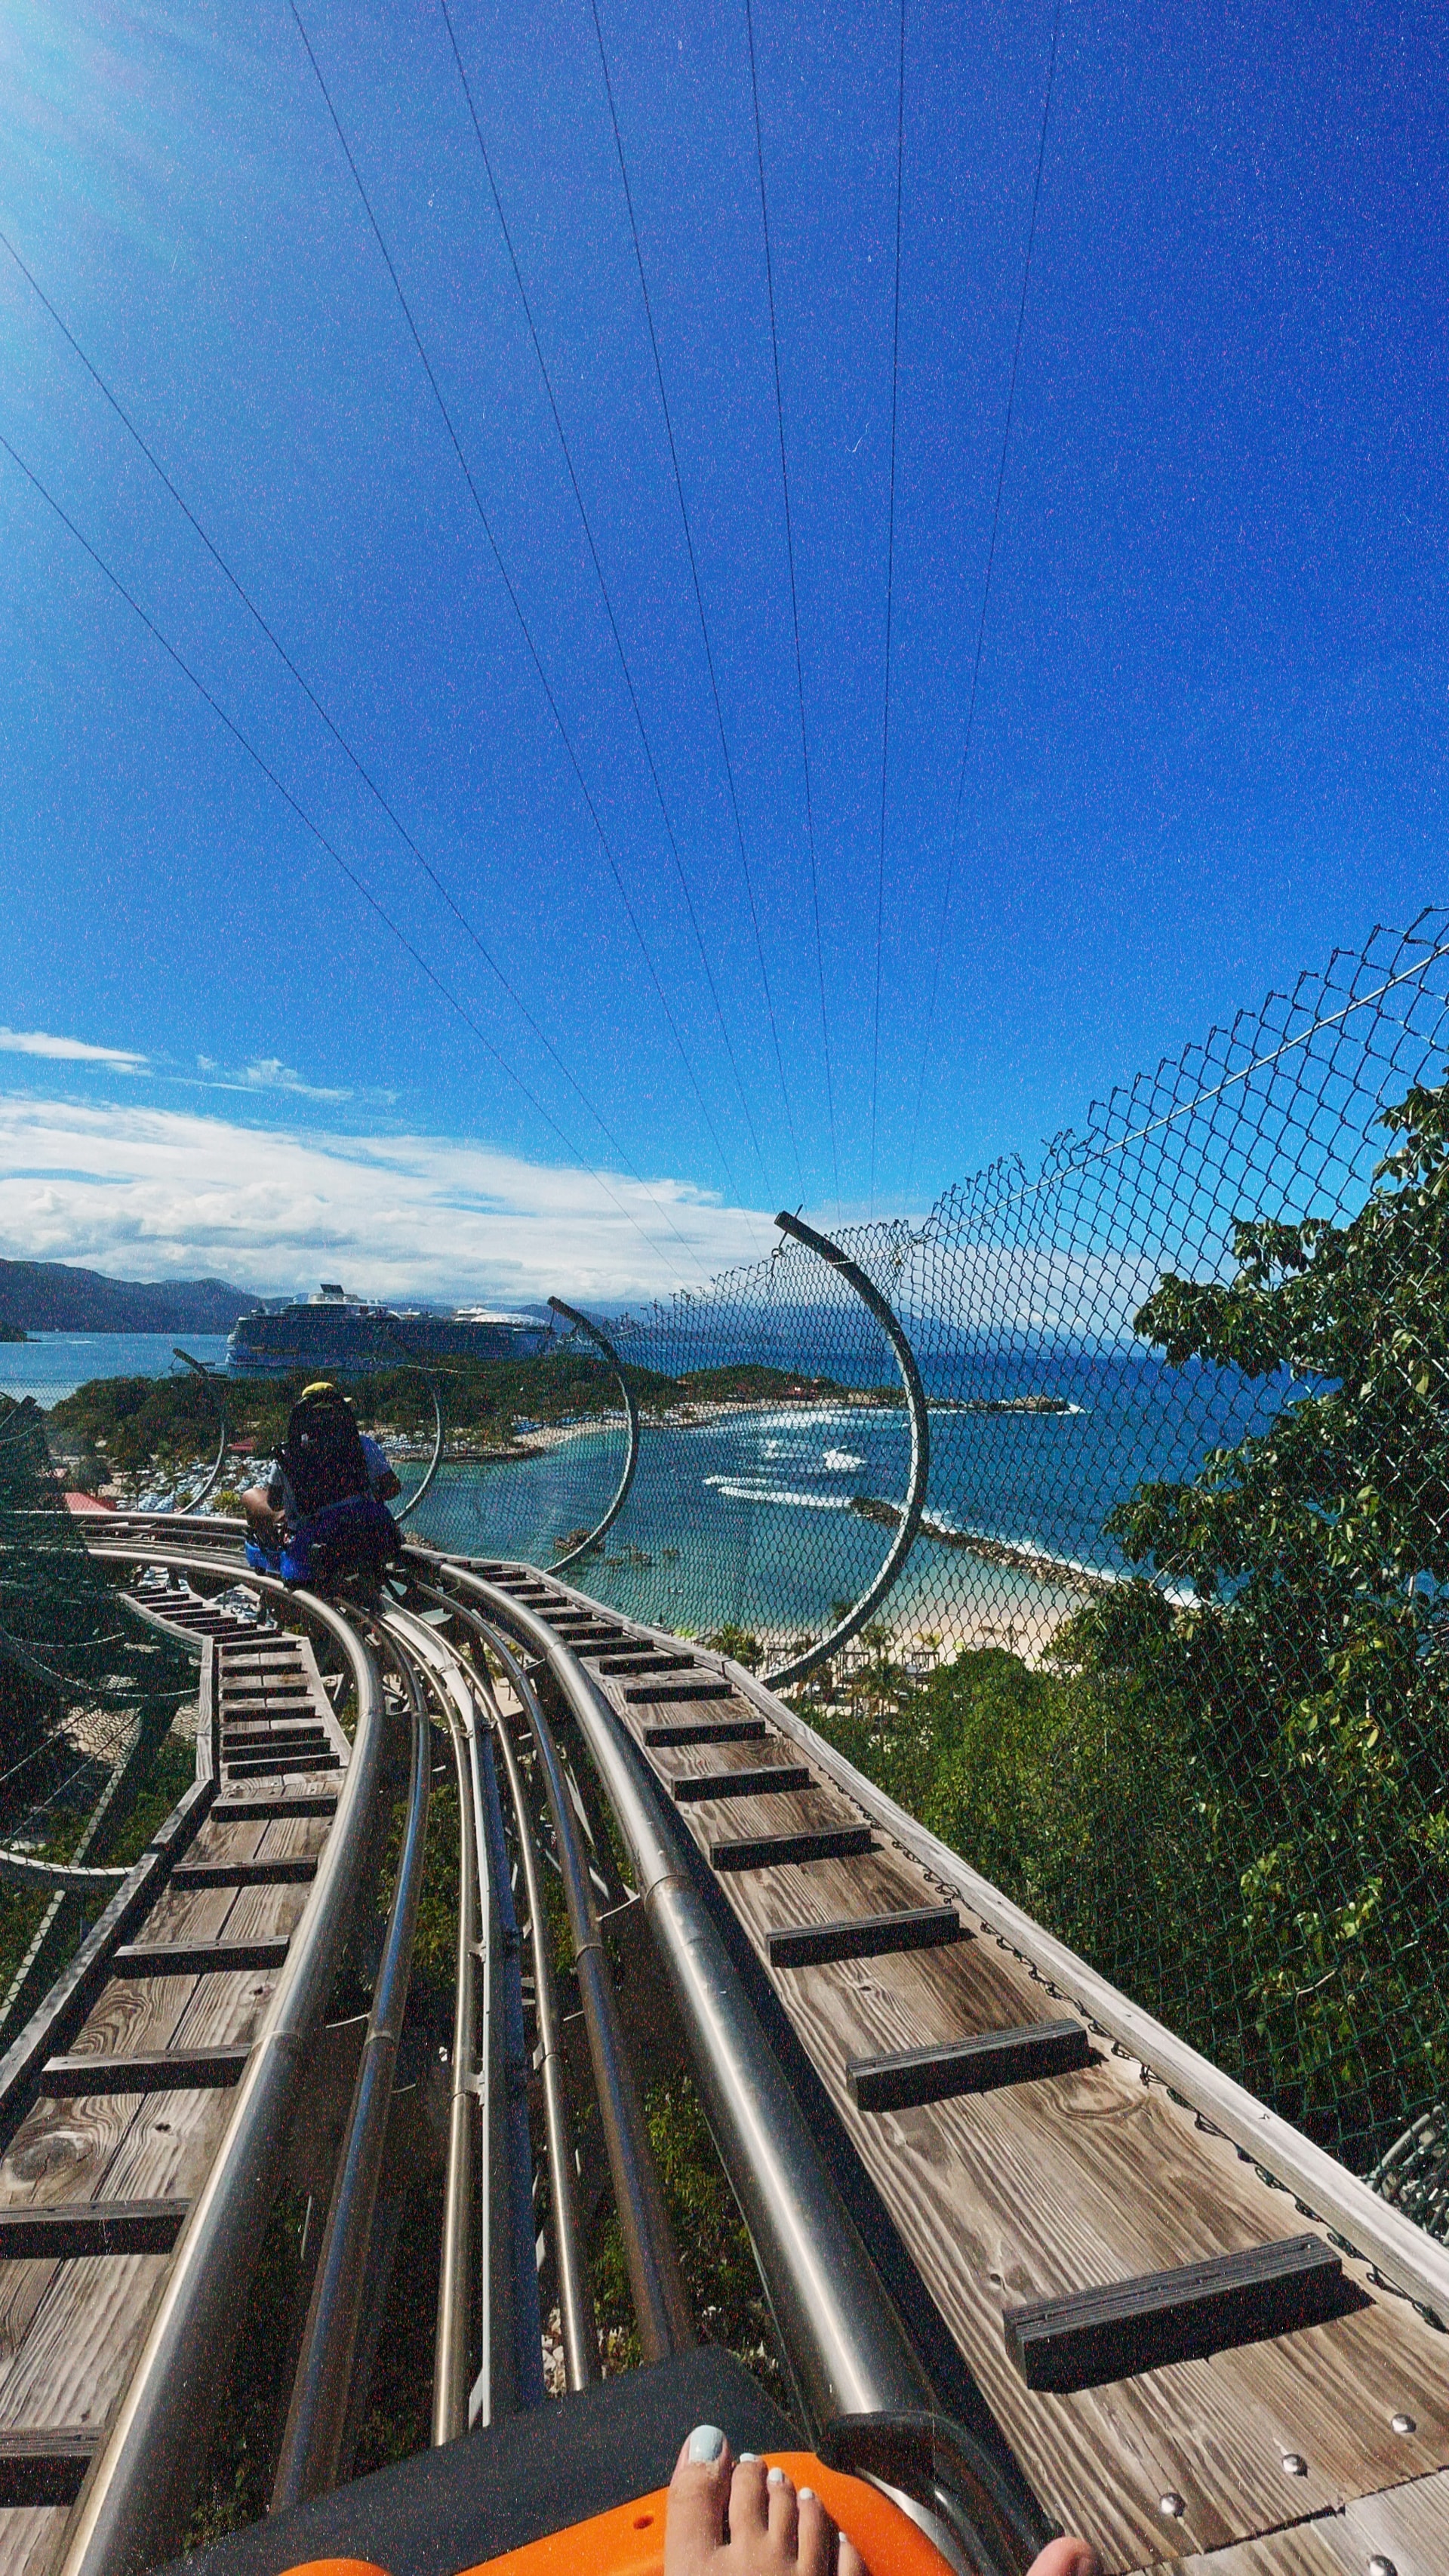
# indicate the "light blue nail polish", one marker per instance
pixel 706 2443
pixel 775 2478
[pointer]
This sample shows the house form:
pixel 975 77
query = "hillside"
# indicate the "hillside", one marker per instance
pixel 50 1296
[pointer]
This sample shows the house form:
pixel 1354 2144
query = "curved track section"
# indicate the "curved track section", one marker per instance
pixel 1031 2261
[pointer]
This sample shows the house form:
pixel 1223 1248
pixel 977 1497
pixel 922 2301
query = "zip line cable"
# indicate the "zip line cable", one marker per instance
pixel 794 601
pixel 698 596
pixel 338 736
pixel 353 879
pixel 517 606
pixel 604 593
pixel 985 593
pixel 885 736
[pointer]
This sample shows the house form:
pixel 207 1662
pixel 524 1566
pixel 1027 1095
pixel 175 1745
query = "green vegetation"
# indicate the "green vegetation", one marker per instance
pixel 135 1423
pixel 1231 1796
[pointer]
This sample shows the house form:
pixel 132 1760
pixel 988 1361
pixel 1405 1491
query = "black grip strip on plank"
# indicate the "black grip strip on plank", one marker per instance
pixel 264 1810
pixel 177 2070
pixel 980 2064
pixel 770 1851
pixel 864 1936
pixel 643 1662
pixel 1129 2326
pixel 690 1787
pixel 707 1730
pixel 701 1689
pixel 282 1872
pixel 275 1766
pixel 43 2467
pixel 70 2228
pixel 197 1959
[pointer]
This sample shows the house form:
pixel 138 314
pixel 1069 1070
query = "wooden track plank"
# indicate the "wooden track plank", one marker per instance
pixel 721 1730
pixel 988 2199
pixel 1305 2550
pixel 31 2537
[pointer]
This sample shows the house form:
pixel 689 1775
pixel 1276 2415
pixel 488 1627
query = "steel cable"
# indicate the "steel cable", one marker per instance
pixel 394 818
pixel 698 596
pixel 338 860
pixel 985 597
pixel 885 738
pixel 514 601
pixel 794 604
pixel 604 592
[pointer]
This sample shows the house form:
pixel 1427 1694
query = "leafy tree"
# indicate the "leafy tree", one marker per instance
pixel 1307 1666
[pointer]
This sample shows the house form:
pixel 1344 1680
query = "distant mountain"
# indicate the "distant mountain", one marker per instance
pixel 51 1297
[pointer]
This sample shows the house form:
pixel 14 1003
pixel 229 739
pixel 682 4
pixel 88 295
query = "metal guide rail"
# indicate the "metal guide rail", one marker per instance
pixel 144 2107
pixel 1193 2360
pixel 1032 2263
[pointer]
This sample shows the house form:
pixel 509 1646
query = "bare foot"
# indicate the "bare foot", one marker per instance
pixel 775 2529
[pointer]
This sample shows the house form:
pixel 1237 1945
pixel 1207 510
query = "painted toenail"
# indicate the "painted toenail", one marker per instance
pixel 776 2478
pixel 807 2491
pixel 706 2442
pixel 748 2455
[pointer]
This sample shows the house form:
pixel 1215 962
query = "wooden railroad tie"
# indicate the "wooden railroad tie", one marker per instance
pixel 702 1689
pixel 177 2070
pixel 766 1778
pixel 769 1851
pixel 293 1870
pixel 864 1936
pixel 1128 2326
pixel 196 1959
pixel 43 2467
pixel 980 2064
pixel 708 1730
pixel 69 2228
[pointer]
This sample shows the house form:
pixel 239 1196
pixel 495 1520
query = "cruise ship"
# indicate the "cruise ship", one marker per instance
pixel 337 1333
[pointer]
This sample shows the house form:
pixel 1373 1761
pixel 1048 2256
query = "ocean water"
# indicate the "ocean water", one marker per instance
pixel 50 1365
pixel 748 1517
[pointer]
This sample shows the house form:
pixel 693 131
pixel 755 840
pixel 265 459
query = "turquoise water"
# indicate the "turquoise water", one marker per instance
pixel 748 1518
pixel 51 1365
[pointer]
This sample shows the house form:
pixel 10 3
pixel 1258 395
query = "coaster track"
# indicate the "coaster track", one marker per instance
pixel 1073 2275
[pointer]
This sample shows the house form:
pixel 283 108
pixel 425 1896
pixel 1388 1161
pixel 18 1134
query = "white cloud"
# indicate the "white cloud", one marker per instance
pixel 270 1074
pixel 152 1193
pixel 70 1050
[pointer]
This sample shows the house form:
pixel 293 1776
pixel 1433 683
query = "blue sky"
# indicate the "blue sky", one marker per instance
pixel 1210 732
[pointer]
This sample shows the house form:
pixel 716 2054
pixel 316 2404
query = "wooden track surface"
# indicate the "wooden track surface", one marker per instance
pixel 1274 2455
pixel 70 2328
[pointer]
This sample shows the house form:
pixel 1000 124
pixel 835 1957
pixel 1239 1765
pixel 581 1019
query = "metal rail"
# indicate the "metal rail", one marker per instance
pixel 317 2415
pixel 920 1471
pixel 601 1342
pixel 132 2509
pixel 208 1380
pixel 577 2324
pixel 489 2079
pixel 436 1460
pixel 849 2352
pixel 451 2344
pixel 656 2283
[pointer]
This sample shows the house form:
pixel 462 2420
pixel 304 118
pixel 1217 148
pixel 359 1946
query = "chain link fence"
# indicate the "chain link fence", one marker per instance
pixel 1168 1657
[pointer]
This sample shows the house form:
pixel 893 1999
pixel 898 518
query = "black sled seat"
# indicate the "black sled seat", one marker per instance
pixel 533 2474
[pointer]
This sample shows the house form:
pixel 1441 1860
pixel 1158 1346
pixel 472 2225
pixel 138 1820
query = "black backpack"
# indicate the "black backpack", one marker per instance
pixel 322 1456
